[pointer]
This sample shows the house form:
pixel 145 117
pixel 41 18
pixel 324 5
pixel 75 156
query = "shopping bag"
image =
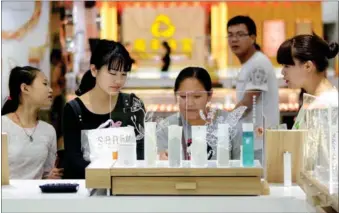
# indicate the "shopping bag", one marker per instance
pixel 104 142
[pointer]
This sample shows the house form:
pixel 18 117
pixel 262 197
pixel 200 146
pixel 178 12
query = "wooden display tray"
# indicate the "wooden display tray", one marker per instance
pixel 161 180
pixel 318 194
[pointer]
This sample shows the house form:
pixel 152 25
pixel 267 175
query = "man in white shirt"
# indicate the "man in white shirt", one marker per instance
pixel 256 79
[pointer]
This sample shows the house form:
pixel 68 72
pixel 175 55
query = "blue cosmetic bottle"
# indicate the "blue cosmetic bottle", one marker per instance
pixel 247 145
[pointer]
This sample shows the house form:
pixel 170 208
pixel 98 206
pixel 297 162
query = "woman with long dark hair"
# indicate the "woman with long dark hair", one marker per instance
pixel 32 142
pixel 99 100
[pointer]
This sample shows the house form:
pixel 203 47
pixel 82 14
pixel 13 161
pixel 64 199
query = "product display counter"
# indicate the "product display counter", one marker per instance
pixel 162 179
pixel 319 168
pixel 107 184
pixel 163 100
pixel 25 196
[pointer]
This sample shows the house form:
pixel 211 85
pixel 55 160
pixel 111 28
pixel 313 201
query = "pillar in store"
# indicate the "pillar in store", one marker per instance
pixel 81 39
pixel 214 30
pixel 336 66
pixel 219 44
pixel 109 21
pixel 223 35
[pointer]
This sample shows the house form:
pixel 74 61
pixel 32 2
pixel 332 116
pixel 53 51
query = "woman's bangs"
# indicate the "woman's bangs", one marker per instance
pixel 284 55
pixel 119 63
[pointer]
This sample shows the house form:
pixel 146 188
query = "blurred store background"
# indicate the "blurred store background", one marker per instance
pixel 48 34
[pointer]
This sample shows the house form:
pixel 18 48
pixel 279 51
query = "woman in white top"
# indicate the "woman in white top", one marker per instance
pixel 31 142
pixel 305 62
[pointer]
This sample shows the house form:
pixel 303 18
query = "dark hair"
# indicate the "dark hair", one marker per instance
pixel 250 24
pixel 18 76
pixel 89 4
pixel 307 48
pixel 194 72
pixel 110 53
pixel 284 54
pixel 56 54
pixel 167 47
pixel 87 81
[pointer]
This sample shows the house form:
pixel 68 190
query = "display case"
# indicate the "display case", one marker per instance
pixel 319 171
pixel 161 100
pixel 199 149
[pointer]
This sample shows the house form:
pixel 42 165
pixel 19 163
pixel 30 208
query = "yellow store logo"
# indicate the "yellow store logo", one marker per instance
pixel 162 27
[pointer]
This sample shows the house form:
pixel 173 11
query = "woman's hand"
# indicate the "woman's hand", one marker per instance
pixel 55 173
pixel 163 155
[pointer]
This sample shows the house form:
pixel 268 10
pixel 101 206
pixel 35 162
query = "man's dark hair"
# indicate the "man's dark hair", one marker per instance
pixel 250 24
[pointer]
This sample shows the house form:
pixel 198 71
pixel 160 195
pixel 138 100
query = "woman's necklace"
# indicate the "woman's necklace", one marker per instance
pixel 22 126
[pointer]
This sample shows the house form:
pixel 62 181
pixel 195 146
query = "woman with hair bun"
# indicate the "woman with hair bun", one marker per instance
pixel 305 61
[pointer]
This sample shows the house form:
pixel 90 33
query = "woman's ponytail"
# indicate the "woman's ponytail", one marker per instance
pixel 11 105
pixel 87 83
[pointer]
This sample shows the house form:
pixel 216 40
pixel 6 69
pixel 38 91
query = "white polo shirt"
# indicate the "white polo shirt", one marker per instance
pixel 258 74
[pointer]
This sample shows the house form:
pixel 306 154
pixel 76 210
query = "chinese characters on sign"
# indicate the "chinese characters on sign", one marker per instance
pixel 181 45
pixel 146 28
pixel 163 29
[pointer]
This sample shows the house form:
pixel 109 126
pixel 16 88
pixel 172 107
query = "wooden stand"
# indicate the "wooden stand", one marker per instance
pixel 318 194
pixel 277 142
pixel 265 188
pixel 162 180
pixel 4 160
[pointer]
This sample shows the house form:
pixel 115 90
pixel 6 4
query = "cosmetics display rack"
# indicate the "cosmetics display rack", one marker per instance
pixel 319 168
pixel 163 180
pixel 318 194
